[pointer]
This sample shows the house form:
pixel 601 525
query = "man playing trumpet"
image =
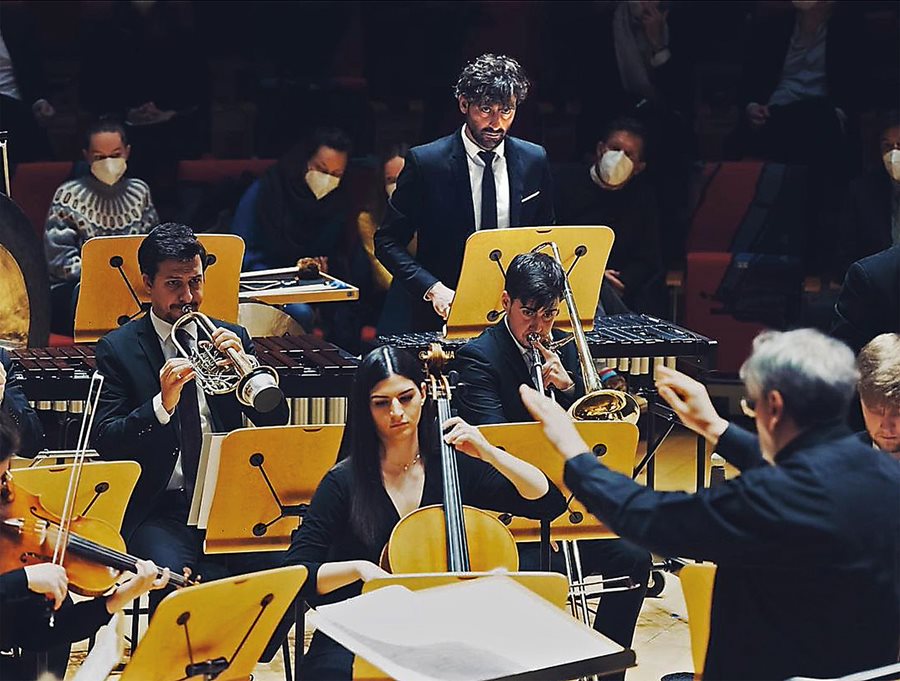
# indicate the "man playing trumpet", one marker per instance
pixel 152 410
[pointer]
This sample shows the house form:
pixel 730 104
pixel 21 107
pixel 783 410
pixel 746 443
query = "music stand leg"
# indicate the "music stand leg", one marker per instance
pixel 299 635
pixel 545 546
pixel 701 462
pixel 651 437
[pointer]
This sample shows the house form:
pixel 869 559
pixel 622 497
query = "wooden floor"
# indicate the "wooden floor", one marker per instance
pixel 662 640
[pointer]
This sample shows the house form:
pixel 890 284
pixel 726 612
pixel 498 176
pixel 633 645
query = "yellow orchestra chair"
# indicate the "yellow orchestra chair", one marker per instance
pixel 697 581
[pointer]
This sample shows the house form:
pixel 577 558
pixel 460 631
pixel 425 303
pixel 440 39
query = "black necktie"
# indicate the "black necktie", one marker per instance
pixel 189 422
pixel 488 192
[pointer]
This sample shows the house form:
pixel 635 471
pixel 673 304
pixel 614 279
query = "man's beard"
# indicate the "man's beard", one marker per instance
pixel 490 142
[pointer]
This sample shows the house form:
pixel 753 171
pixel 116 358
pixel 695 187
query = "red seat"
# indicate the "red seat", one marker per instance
pixel 57 340
pixel 729 191
pixel 211 170
pixel 703 314
pixel 33 187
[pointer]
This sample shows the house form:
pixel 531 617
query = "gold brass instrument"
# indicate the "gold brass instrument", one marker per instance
pixel 598 403
pixel 536 361
pixel 219 373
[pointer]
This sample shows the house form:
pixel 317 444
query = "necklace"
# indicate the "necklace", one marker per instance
pixel 412 463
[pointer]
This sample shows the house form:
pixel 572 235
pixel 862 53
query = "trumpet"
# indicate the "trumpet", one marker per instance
pixel 219 373
pixel 598 403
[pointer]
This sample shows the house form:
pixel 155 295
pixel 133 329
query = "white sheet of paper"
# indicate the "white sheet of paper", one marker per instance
pixel 476 629
pixel 207 475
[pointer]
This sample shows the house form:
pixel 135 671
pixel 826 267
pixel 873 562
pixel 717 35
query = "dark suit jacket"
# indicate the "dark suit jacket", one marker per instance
pixel 18 27
pixel 434 199
pixel 822 521
pixel 130 359
pixel 869 301
pixel 492 369
pixel 15 405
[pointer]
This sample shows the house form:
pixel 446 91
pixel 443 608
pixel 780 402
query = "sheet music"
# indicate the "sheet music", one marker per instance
pixel 207 475
pixel 486 628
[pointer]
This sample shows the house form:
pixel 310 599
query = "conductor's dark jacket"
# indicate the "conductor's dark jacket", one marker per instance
pixel 808 551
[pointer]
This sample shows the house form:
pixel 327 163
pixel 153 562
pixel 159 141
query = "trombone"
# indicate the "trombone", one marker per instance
pixel 598 403
pixel 219 373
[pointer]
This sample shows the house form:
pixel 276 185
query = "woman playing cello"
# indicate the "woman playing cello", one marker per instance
pixel 388 469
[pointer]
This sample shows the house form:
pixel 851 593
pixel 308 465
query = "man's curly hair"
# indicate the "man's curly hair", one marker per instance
pixel 492 79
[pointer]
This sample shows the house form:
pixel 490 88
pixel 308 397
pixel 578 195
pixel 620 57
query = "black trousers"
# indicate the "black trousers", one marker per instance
pixel 167 540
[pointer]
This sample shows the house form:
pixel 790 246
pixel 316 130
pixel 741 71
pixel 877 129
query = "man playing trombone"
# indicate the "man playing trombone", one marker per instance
pixel 519 350
pixel 152 409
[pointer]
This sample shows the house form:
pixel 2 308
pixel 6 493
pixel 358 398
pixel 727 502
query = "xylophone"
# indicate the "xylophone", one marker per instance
pixel 314 375
pixel 630 343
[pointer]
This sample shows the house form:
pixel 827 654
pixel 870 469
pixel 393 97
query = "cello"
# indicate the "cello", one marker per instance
pixel 91 550
pixel 449 537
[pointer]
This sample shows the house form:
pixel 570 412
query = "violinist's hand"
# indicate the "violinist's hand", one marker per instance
pixel 554 373
pixel 49 580
pixel 558 427
pixel 173 376
pixel 146 579
pixel 368 571
pixel 466 439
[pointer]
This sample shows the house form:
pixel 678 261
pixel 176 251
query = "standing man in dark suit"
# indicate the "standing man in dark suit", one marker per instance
pixel 869 301
pixel 493 367
pixel 476 178
pixel 14 404
pixel 151 409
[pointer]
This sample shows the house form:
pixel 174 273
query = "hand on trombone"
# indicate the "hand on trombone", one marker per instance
pixel 554 373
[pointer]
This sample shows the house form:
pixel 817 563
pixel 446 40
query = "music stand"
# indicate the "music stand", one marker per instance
pixel 216 630
pixel 550 586
pixel 112 289
pixel 584 252
pixel 280 287
pixel 103 492
pixel 266 479
pixel 491 627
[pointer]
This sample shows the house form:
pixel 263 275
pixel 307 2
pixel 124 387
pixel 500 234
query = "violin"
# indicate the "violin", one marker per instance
pixel 438 538
pixel 29 534
pixel 91 550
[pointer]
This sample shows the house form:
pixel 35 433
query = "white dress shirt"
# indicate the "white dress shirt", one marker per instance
pixel 476 173
pixel 164 333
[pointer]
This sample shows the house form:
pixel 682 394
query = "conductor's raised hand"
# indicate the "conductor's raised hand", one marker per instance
pixel 558 427
pixel 689 399
pixel 466 438
pixel 173 376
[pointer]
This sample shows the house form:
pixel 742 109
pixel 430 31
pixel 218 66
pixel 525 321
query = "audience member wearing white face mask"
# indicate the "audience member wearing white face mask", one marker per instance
pixel 102 203
pixel 614 192
pixel 870 220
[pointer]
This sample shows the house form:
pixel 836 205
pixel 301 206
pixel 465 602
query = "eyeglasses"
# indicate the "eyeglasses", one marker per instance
pixel 748 406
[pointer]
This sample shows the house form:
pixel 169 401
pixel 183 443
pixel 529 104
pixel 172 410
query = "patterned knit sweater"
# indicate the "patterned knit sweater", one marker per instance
pixel 84 208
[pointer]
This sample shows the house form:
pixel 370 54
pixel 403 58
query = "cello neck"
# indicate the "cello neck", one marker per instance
pixel 457 547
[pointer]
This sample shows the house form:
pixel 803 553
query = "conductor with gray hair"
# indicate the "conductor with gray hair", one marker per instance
pixel 806 538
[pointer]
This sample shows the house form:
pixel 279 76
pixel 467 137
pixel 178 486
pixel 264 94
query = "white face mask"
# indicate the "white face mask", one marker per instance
pixel 390 188
pixel 615 167
pixel 109 170
pixel 321 184
pixel 892 164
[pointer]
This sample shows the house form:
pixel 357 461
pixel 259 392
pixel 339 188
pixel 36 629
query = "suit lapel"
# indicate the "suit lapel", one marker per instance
pixel 513 355
pixel 149 342
pixel 458 166
pixel 516 182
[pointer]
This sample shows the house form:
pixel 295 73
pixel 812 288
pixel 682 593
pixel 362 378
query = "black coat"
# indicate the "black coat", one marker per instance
pixel 15 405
pixel 126 428
pixel 869 301
pixel 866 217
pixel 434 199
pixel 491 370
pixel 808 551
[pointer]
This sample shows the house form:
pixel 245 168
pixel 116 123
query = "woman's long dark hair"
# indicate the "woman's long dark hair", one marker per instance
pixel 360 444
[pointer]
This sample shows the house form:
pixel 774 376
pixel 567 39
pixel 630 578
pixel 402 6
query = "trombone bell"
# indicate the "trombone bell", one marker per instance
pixel 606 405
